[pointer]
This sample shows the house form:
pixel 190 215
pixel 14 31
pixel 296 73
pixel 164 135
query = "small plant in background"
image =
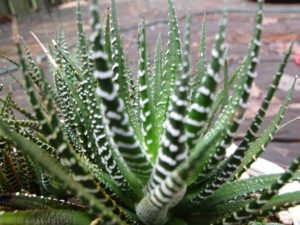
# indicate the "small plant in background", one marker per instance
pixel 105 148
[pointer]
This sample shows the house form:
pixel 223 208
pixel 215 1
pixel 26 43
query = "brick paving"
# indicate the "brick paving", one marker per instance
pixel 279 30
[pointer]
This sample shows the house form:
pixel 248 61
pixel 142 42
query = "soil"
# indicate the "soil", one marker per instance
pixel 280 29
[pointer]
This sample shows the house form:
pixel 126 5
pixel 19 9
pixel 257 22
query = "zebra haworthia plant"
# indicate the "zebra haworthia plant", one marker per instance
pixel 102 147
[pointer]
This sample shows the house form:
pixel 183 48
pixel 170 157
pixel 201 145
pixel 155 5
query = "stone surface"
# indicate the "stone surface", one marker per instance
pixel 280 28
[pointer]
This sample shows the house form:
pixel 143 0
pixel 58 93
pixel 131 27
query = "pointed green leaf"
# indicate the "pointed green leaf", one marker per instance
pixel 50 165
pixel 202 70
pixel 145 106
pixel 171 69
pixel 114 109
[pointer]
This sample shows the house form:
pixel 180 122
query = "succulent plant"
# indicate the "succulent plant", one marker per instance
pixel 106 145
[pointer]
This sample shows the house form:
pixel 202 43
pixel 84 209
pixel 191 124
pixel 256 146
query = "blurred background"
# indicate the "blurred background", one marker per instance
pixel 281 27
